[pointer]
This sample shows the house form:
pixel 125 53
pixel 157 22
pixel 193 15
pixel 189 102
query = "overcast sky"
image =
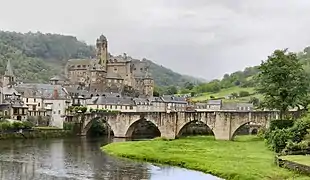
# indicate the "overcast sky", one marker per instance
pixel 204 38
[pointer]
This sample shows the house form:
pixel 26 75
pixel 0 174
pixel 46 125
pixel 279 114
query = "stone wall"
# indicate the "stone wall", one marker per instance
pixel 300 168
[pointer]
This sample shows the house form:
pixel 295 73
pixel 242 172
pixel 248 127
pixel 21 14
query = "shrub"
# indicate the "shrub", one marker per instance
pixel 261 133
pixel 278 139
pixel 17 125
pixel 280 124
pixel 300 147
pixel 68 126
pixel 6 126
pixel 244 93
pixel 27 125
pixel 282 133
pixel 300 130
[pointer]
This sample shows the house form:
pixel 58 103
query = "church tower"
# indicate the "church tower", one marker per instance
pixel 9 77
pixel 99 69
pixel 148 84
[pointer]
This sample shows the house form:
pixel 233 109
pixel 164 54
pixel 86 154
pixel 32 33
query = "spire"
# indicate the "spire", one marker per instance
pixel 9 71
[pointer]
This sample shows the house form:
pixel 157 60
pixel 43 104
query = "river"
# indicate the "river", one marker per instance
pixel 78 159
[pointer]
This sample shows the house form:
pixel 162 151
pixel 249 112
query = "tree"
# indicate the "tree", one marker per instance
pixel 171 90
pixel 254 101
pixel 189 85
pixel 234 95
pixel 283 82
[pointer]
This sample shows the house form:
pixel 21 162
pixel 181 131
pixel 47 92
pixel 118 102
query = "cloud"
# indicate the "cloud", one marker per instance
pixel 200 38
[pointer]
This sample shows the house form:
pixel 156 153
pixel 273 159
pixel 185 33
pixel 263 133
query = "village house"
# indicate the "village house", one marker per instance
pixel 174 103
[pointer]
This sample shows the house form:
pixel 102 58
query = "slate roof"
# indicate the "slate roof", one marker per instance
pixel 141 101
pixel 58 78
pixel 174 99
pixel 214 102
pixel 156 99
pixel 235 106
pixel 42 90
pixel 110 100
pixel 9 91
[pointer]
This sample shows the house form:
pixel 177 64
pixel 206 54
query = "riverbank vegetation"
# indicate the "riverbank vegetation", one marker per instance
pixel 26 130
pixel 245 158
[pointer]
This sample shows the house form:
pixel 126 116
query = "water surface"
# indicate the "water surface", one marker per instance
pixel 78 159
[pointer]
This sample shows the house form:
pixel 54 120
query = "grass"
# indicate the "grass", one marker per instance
pixel 305 160
pixel 223 93
pixel 245 158
pixel 46 128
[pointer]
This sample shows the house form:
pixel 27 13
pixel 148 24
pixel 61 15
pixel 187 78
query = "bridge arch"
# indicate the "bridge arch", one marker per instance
pixel 195 122
pixel 89 123
pixel 251 131
pixel 145 124
pixel 254 131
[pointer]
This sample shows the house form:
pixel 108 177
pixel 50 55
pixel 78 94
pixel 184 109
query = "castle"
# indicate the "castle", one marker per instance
pixel 107 73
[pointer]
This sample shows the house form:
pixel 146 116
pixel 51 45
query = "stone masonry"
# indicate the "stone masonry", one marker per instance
pixel 224 124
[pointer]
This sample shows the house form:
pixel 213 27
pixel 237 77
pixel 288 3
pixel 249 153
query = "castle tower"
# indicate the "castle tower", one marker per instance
pixel 9 77
pixel 99 69
pixel 102 53
pixel 148 84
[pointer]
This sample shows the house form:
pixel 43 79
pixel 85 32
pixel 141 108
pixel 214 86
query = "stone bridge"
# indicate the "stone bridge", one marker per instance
pixel 224 124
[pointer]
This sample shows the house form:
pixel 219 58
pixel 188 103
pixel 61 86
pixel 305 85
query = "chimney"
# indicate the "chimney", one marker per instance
pixel 55 94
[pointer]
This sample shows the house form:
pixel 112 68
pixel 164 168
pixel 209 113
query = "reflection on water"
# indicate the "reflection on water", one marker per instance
pixel 77 159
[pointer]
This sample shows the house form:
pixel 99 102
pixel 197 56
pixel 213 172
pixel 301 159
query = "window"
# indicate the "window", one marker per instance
pixel 59 112
pixel 26 100
pixel 78 66
pixel 39 104
pixel 15 111
pixel 54 112
pixel 34 100
pixel 84 66
pixel 34 107
pixel 131 107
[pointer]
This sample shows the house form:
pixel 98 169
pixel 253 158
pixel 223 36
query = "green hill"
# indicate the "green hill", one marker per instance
pixel 240 81
pixel 36 57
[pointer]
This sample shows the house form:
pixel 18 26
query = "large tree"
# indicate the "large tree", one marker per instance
pixel 283 82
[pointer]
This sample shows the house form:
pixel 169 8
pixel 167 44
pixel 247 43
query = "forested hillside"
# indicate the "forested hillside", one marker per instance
pixel 36 57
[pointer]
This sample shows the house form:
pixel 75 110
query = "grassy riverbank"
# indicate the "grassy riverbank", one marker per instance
pixel 245 158
pixel 301 159
pixel 37 134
